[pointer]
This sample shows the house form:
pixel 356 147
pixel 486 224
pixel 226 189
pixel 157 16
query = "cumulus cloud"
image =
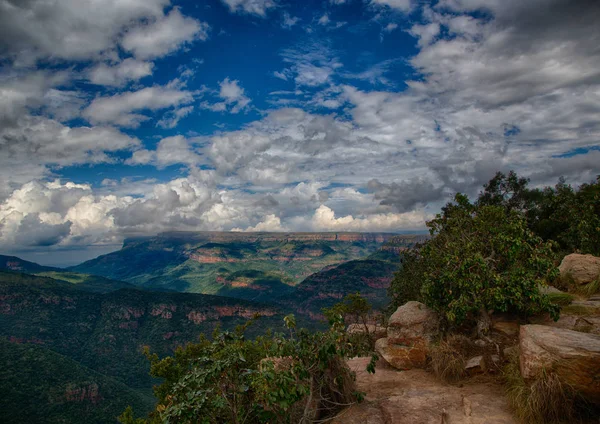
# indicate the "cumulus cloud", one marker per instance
pixel 310 65
pixel 66 29
pixel 271 223
pixel 121 73
pixel 324 220
pixel 233 98
pixel 164 35
pixel 124 109
pixel 169 151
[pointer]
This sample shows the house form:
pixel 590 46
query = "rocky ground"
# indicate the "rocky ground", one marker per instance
pixel 417 397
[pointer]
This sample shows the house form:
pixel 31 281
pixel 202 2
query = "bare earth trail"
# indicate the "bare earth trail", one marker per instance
pixel 417 397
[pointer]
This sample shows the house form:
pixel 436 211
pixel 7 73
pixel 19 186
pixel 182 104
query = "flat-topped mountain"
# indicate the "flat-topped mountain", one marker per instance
pixel 258 266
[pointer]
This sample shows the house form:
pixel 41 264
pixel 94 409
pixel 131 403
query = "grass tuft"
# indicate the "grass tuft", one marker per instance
pixel 546 400
pixel 589 289
pixel 448 358
pixel 561 299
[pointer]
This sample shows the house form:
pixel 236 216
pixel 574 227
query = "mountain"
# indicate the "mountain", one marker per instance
pixel 81 281
pixel 13 263
pixel 42 386
pixel 107 332
pixel 256 266
pixel 370 277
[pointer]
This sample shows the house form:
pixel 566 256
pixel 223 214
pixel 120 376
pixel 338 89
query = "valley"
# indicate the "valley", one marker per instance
pixel 91 323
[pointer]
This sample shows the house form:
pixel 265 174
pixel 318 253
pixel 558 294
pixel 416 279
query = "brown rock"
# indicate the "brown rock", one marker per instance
pixel 508 328
pixel 474 365
pixel 417 397
pixel 412 322
pixel 574 356
pixel 402 357
pixel 583 269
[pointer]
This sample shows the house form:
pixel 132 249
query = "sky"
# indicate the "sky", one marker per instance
pixel 121 118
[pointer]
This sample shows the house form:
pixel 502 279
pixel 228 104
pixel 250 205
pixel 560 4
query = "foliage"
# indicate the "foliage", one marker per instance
pixel 273 378
pixel 42 386
pixel 568 216
pixel 483 259
pixel 407 282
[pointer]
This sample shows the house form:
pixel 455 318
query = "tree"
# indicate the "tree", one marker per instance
pixel 482 259
pixel 408 280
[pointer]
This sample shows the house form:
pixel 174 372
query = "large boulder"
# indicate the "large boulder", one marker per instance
pixel 410 331
pixel 412 322
pixel 402 357
pixel 573 355
pixel 582 269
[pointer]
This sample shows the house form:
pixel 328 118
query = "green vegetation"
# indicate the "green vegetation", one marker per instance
pixel 271 379
pixel 483 259
pixel 41 386
pixel 257 267
pixel 561 299
pixel 107 332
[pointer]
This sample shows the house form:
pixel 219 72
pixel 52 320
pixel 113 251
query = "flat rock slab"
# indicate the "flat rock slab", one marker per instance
pixel 417 397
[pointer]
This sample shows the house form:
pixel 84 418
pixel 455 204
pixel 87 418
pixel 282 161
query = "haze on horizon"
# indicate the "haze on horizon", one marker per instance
pixel 133 117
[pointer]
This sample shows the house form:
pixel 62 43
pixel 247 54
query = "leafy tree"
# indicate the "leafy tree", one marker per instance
pixel 483 259
pixel 353 309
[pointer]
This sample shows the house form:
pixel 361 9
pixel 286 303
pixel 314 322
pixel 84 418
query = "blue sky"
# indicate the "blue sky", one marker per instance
pixel 128 117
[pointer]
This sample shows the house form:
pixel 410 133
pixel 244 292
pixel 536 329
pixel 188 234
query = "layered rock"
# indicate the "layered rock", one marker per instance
pixel 581 269
pixel 410 331
pixel 573 355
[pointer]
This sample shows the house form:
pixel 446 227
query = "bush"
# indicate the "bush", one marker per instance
pixel 481 259
pixel 272 379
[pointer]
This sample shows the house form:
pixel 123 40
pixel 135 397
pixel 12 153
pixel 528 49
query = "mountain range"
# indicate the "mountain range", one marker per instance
pixel 91 323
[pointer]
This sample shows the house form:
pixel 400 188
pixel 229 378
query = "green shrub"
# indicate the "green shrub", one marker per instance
pixel 271 379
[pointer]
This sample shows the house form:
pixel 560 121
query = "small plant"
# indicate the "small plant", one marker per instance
pixel 589 289
pixel 561 299
pixel 546 400
pixel 448 358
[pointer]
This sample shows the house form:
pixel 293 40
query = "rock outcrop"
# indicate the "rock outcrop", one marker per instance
pixel 573 355
pixel 417 397
pixel 582 269
pixel 410 331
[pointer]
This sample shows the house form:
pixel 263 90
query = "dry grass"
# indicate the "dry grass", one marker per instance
pixel 561 299
pixel 546 400
pixel 589 289
pixel 448 358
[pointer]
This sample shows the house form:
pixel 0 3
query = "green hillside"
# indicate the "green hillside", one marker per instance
pixel 259 266
pixel 108 332
pixel 42 386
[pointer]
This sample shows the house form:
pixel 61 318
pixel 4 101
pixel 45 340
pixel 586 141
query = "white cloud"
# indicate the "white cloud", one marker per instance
pixel 324 220
pixel 233 98
pixel 390 27
pixel 124 109
pixel 253 7
pixel 68 29
pixel 165 35
pixel 425 33
pixel 121 73
pixel 289 21
pixel 324 20
pixel 271 223
pixel 171 118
